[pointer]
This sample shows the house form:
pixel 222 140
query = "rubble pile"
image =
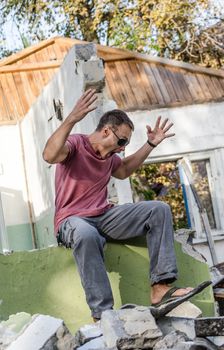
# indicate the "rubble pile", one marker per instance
pixel 133 327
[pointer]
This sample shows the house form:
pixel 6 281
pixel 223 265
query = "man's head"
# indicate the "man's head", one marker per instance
pixel 114 118
pixel 115 129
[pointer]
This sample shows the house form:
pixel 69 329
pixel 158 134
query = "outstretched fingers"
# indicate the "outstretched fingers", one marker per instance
pixel 89 97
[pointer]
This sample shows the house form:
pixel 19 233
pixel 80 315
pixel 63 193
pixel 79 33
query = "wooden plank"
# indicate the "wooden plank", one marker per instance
pixel 194 87
pixel 210 86
pixel 154 83
pixel 168 83
pixel 135 82
pixel 204 87
pixel 32 84
pixel 15 99
pixel 125 54
pixel 182 85
pixel 4 115
pixel 21 92
pixel 31 66
pixel 218 86
pixel 44 74
pixel 114 83
pixel 124 86
pixel 162 87
pixel 221 82
pixel 51 53
pixel 26 52
pixel 146 84
pixel 42 56
pixel 57 49
pixel 7 93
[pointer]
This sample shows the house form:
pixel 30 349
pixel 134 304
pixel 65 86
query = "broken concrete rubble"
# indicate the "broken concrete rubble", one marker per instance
pixel 133 328
pixel 37 332
pixel 130 328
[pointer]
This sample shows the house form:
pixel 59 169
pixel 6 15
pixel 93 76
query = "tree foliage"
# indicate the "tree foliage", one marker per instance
pixel 161 182
pixel 187 30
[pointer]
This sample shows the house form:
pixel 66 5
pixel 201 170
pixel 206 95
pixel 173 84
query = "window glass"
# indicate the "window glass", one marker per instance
pixel 200 170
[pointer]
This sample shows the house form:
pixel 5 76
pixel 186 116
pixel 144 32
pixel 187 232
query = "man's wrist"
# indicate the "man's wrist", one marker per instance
pixel 151 144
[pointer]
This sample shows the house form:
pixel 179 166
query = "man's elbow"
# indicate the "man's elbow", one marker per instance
pixel 121 175
pixel 47 157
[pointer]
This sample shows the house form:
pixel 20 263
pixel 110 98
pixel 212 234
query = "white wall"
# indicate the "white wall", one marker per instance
pixel 197 127
pixel 12 180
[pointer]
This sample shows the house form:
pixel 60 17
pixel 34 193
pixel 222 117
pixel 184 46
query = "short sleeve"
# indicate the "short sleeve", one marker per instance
pixel 116 162
pixel 72 143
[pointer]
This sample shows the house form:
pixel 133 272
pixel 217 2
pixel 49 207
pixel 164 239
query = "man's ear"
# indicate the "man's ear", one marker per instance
pixel 106 131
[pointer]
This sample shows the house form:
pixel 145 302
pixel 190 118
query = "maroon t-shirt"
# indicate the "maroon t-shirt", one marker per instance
pixel 81 181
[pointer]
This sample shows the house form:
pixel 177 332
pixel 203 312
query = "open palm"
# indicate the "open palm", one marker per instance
pixel 160 131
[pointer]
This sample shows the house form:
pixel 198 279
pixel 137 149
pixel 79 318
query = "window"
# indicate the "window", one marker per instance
pixel 161 181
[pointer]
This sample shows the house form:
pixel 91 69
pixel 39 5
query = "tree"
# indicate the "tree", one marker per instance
pixel 181 29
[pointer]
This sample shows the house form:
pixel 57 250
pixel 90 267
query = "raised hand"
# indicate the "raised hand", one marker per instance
pixel 159 133
pixel 84 105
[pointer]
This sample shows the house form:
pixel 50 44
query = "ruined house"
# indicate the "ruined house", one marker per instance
pixel 38 88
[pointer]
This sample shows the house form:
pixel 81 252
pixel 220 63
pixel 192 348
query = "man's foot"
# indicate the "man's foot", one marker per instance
pixel 162 293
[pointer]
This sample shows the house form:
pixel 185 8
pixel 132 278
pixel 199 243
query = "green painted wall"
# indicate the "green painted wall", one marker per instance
pixel 20 237
pixel 46 281
pixel 45 231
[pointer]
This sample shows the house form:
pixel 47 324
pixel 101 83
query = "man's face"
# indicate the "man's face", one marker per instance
pixel 119 137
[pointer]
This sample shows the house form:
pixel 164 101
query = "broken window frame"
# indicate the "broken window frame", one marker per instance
pixel 215 180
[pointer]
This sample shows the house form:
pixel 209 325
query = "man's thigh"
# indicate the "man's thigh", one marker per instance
pixel 128 220
pixel 75 227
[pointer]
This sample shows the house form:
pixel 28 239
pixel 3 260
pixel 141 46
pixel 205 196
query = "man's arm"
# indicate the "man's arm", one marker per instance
pixel 56 149
pixel 155 136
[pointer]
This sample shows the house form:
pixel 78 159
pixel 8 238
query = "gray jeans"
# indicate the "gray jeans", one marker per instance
pixel 87 237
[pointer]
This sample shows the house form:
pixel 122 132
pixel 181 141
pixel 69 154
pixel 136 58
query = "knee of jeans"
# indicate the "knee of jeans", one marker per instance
pixel 162 206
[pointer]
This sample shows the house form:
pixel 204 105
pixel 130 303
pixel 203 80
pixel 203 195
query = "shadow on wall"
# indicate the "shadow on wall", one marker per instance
pixel 16 219
pixel 47 281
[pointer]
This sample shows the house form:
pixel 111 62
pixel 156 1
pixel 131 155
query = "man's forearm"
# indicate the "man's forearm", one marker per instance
pixel 134 161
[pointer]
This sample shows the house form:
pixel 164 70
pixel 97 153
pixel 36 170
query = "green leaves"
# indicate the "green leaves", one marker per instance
pixel 177 29
pixel 161 182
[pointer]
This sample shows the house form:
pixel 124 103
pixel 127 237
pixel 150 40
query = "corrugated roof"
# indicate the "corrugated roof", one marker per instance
pixel 135 81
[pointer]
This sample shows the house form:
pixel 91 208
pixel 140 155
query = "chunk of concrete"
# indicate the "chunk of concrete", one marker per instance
pixel 88 332
pixel 183 236
pixel 40 333
pixel 180 324
pixel 218 341
pixel 170 341
pixel 130 328
pixel 139 321
pixel 6 336
pixel 186 309
pixel 85 51
pixel 97 343
pixel 112 327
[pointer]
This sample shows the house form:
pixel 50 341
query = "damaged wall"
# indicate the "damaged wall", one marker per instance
pixel 80 70
pixel 47 281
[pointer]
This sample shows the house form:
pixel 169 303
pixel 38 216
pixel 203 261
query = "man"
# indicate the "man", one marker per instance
pixel 83 216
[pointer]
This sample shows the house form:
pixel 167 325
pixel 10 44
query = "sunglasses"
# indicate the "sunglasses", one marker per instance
pixel 120 142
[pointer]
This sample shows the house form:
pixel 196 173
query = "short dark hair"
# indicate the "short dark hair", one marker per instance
pixel 115 118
